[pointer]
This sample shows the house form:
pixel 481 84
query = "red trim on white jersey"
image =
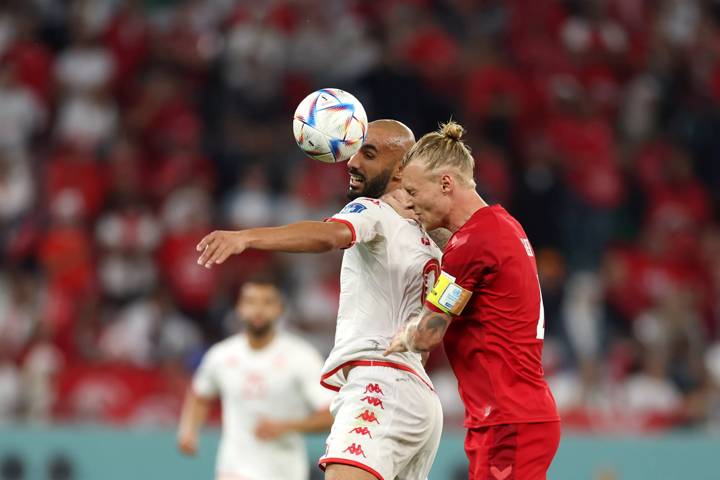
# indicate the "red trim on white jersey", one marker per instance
pixel 323 462
pixel 349 225
pixel 368 363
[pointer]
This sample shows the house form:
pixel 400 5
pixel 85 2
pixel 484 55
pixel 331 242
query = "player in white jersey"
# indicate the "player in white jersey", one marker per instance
pixel 267 382
pixel 388 419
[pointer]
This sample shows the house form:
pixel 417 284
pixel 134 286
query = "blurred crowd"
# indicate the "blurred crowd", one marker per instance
pixel 129 129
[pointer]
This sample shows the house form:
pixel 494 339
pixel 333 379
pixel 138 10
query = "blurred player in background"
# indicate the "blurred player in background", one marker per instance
pixel 267 382
pixel 488 307
pixel 388 419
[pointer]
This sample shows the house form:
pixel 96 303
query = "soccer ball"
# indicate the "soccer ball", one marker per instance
pixel 330 125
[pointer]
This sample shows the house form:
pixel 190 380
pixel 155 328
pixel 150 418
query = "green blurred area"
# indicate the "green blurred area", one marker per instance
pixel 101 453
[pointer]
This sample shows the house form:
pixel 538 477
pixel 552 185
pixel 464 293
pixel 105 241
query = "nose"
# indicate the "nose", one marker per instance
pixel 354 161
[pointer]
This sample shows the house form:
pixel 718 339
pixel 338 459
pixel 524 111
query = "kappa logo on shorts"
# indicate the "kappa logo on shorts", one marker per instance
pixel 501 474
pixel 355 449
pixel 373 388
pixel 361 431
pixel 374 401
pixel 368 416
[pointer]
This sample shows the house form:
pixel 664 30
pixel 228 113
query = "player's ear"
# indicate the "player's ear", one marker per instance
pixel 447 183
pixel 397 173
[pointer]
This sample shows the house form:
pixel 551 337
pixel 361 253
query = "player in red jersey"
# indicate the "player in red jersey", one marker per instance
pixel 487 308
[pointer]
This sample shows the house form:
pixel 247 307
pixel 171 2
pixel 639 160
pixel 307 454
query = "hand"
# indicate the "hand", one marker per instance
pixel 187 444
pixel 397 345
pixel 401 202
pixel 219 245
pixel 270 430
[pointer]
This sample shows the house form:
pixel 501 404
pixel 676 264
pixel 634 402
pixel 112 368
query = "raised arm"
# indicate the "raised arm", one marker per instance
pixel 309 237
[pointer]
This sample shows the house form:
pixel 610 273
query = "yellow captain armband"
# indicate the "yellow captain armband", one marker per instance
pixel 448 296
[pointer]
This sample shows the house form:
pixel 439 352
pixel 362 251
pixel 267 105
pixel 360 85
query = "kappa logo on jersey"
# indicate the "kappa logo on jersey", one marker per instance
pixel 355 449
pixel 361 431
pixel 373 388
pixel 353 208
pixel 368 416
pixel 374 401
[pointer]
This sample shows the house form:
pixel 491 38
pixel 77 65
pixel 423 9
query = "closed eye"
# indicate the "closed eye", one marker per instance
pixel 369 151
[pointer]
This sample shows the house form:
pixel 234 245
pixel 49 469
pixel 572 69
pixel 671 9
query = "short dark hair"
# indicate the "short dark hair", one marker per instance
pixel 262 280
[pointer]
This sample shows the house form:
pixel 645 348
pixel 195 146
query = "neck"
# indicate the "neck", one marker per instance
pixel 258 342
pixel 392 186
pixel 465 204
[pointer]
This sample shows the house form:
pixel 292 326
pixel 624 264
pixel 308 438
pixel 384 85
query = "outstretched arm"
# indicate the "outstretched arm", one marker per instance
pixel 312 237
pixel 422 335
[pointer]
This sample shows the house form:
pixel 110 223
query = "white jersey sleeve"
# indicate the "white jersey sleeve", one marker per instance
pixel 309 367
pixel 205 380
pixel 363 216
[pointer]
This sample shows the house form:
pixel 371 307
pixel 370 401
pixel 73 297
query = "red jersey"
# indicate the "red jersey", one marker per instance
pixel 495 344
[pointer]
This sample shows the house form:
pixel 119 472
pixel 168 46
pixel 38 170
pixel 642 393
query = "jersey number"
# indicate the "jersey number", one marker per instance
pixel 430 274
pixel 541 321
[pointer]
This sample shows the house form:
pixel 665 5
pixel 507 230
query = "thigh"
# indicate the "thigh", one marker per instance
pixel 386 421
pixel 492 452
pixel 336 471
pixel 358 440
pixel 512 452
pixel 422 444
pixel 538 444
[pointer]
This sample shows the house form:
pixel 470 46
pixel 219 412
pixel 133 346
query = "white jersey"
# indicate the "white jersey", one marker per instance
pixel 383 280
pixel 278 382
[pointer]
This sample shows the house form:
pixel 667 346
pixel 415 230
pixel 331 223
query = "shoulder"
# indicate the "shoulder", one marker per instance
pixel 225 347
pixel 486 233
pixel 481 228
pixel 362 204
pixel 476 236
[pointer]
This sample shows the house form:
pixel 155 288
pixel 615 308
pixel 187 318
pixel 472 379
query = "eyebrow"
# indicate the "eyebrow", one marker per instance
pixel 370 147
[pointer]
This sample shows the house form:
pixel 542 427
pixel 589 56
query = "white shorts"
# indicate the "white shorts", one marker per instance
pixel 388 422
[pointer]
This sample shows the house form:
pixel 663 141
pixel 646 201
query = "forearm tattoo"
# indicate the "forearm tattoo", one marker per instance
pixel 430 332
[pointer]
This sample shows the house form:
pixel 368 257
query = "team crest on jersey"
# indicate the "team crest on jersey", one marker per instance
pixel 353 208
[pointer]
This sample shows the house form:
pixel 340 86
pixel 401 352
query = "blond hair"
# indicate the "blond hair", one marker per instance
pixel 444 150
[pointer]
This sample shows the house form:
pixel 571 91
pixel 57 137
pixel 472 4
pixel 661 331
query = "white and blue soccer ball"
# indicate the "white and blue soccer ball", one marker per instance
pixel 330 125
